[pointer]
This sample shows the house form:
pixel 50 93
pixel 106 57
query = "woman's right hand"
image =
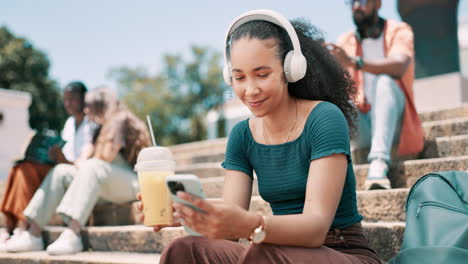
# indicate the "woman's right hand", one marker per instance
pixel 156 228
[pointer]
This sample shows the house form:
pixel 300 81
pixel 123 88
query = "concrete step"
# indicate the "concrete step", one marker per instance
pixel 131 238
pixel 445 128
pixel 202 170
pixel 41 257
pixel 199 146
pixel 213 187
pixel 216 155
pixel 405 174
pixel 386 238
pixel 438 147
pixel 446 147
pixel 374 206
pixel 383 205
pixel 455 112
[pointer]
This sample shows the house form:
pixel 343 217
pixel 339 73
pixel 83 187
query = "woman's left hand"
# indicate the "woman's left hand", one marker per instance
pixel 55 154
pixel 219 220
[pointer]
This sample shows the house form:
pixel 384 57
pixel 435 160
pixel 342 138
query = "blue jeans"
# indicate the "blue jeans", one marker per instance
pixel 380 127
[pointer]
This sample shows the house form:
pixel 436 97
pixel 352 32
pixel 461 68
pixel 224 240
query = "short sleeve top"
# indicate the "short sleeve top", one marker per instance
pixel 77 137
pixel 282 170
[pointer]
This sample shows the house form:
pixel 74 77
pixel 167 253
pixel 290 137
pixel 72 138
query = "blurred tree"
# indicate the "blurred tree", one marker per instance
pixel 24 68
pixel 177 98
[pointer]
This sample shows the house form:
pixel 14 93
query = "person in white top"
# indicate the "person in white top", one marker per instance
pixel 26 177
pixel 78 131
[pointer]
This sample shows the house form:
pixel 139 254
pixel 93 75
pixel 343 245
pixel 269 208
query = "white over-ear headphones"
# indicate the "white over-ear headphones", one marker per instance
pixel 295 64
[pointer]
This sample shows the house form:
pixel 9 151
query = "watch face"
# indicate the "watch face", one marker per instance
pixel 259 237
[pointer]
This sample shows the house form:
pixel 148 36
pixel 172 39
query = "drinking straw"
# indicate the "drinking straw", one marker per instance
pixel 148 118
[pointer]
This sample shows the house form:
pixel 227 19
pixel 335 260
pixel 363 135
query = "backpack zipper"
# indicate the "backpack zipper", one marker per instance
pixel 441 205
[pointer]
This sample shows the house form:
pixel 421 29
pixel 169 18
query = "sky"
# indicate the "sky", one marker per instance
pixel 87 38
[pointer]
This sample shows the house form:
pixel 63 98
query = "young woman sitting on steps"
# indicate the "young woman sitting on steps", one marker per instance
pixel 298 146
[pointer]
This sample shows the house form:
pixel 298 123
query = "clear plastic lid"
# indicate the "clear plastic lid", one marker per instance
pixel 155 158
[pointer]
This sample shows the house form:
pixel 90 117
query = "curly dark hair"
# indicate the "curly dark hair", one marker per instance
pixel 325 79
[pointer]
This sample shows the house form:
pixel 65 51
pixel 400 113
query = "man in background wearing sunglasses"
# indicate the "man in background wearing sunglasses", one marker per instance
pixel 379 56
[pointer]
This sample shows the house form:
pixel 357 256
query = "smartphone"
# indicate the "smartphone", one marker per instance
pixel 187 183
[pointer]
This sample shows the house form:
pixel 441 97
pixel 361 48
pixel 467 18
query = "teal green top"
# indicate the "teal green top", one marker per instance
pixel 282 170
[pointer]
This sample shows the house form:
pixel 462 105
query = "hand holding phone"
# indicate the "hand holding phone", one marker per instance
pixel 186 183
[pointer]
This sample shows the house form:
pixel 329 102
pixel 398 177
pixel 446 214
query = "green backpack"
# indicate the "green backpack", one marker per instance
pixel 436 220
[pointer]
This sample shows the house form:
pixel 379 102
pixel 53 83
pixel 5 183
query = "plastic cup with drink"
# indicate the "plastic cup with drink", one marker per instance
pixel 153 165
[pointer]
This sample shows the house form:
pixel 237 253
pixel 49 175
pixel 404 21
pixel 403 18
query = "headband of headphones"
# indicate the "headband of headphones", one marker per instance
pixel 295 64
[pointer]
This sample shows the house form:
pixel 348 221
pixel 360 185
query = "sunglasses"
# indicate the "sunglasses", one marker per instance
pixel 353 2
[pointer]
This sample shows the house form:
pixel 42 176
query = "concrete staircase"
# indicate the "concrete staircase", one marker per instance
pixel 117 236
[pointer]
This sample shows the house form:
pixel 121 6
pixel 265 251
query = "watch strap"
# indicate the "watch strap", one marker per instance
pixel 359 62
pixel 259 229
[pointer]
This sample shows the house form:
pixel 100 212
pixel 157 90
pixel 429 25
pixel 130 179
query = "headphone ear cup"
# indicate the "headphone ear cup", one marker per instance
pixel 287 66
pixel 295 66
pixel 298 66
pixel 227 75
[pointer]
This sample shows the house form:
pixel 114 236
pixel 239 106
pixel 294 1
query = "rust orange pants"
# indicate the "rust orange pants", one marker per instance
pixel 23 181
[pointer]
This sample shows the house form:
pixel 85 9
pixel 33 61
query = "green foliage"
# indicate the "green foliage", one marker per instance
pixel 24 68
pixel 177 98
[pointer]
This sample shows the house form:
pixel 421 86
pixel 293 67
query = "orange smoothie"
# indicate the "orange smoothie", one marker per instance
pixel 156 198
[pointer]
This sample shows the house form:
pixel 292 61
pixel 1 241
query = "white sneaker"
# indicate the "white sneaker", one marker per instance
pixel 377 175
pixel 23 241
pixel 17 232
pixel 4 235
pixel 3 247
pixel 67 243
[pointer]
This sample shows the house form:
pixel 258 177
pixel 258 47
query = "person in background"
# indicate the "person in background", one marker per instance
pixel 379 56
pixel 72 191
pixel 26 176
pixel 297 144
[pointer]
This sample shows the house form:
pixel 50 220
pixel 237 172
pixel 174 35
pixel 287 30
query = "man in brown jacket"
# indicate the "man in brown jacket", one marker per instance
pixel 379 56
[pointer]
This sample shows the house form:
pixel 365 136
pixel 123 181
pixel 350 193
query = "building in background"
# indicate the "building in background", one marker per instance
pixel 228 115
pixel 463 45
pixel 14 127
pixel 449 89
pixel 435 28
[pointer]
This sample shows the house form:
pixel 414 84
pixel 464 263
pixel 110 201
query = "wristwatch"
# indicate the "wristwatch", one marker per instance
pixel 259 234
pixel 358 62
